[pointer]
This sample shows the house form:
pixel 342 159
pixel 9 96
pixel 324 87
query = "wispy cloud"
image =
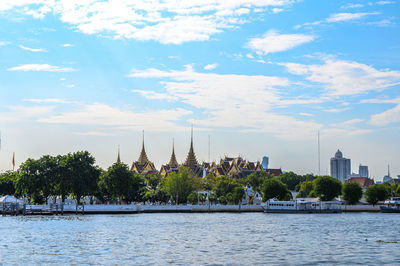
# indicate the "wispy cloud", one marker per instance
pixel 226 104
pixel 306 114
pixel 2 43
pixel 272 42
pixel 162 21
pixel 384 2
pixel 388 116
pixel 67 45
pixel 346 78
pixel 352 5
pixel 339 17
pixel 35 50
pixel 337 110
pixel 210 66
pixel 53 100
pixel 41 67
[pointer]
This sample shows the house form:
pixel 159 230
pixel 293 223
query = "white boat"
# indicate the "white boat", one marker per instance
pixel 301 206
pixel 392 205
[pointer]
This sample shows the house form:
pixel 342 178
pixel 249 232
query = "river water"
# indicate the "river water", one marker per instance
pixel 202 238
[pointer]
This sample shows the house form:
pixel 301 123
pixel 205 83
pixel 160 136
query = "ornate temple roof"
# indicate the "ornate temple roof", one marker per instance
pixel 119 157
pixel 173 163
pixel 191 161
pixel 143 156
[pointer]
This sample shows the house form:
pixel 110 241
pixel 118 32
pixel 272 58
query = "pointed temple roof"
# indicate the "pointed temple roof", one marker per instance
pixel 173 163
pixel 119 157
pixel 143 156
pixel 191 160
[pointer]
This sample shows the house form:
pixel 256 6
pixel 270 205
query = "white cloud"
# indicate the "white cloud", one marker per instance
pixel 338 17
pixel 210 66
pixel 352 5
pixel 387 117
pixel 67 45
pixel 240 102
pixel 337 110
pixel 35 50
pixel 352 122
pixel 99 114
pixel 50 100
pixel 165 21
pixel 384 2
pixel 41 67
pixel 273 42
pixel 277 10
pixel 95 133
pixel 3 43
pixel 345 77
pixel 19 113
pixel 306 114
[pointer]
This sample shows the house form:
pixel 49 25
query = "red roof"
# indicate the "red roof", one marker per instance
pixel 363 181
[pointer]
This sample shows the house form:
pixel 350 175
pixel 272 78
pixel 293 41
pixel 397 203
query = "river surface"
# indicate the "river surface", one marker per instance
pixel 202 238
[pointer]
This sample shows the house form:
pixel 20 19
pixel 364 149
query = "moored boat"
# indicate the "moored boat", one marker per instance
pixel 301 206
pixel 391 206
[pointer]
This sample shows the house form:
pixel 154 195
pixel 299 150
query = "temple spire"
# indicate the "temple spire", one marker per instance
pixel 119 157
pixel 173 163
pixel 191 160
pixel 143 156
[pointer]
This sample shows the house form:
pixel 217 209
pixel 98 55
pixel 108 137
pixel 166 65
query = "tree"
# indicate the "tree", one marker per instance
pixel 7 183
pixel 256 180
pixel 327 188
pixel 202 197
pixel 352 192
pixel 238 194
pixel 291 179
pixel 212 198
pixel 375 193
pixel 224 185
pixel 208 182
pixel 222 200
pixel 30 181
pixel 192 198
pixel 117 181
pixel 179 185
pixel 305 189
pixel 82 174
pixel 274 188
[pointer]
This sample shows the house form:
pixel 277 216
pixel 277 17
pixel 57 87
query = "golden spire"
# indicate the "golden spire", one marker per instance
pixel 119 157
pixel 173 163
pixel 143 156
pixel 191 160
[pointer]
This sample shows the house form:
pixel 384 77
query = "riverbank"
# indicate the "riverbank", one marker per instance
pixel 135 209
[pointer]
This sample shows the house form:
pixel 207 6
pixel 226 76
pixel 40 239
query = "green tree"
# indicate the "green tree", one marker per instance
pixel 212 198
pixel 224 185
pixel 117 181
pixel 208 182
pixel 30 181
pixel 305 189
pixel 82 174
pixel 352 192
pixel 256 180
pixel 375 193
pixel 222 200
pixel 238 194
pixel 192 198
pixel 327 188
pixel 179 185
pixel 291 179
pixel 7 183
pixel 274 188
pixel 202 197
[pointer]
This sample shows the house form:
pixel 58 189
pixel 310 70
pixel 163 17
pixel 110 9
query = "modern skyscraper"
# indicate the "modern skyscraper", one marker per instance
pixel 265 162
pixel 340 167
pixel 363 170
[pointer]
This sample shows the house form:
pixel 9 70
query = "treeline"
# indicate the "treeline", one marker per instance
pixel 75 175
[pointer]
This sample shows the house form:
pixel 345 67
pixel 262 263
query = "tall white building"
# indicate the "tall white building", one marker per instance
pixel 340 167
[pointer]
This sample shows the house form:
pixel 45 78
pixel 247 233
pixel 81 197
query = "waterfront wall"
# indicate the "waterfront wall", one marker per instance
pixel 121 209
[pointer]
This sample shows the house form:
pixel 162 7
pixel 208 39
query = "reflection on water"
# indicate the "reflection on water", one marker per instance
pixel 218 238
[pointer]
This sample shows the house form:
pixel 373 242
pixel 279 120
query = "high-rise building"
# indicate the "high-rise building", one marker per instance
pixel 363 171
pixel 265 162
pixel 340 167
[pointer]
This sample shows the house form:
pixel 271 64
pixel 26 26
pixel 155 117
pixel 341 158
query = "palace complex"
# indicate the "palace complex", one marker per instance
pixel 231 167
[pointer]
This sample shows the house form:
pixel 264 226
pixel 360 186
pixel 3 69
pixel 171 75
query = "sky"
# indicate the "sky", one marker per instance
pixel 255 78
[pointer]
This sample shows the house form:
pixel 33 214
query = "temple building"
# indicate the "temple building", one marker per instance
pixel 191 161
pixel 143 164
pixel 118 157
pixel 172 166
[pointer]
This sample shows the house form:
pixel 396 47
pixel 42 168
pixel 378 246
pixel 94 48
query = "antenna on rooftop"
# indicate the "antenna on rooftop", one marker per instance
pixel 319 156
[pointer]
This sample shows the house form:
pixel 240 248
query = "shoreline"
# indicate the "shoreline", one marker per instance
pixel 137 209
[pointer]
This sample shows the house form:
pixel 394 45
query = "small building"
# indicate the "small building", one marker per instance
pixel 364 182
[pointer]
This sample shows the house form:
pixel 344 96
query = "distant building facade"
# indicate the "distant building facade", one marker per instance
pixel 363 171
pixel 340 167
pixel 265 162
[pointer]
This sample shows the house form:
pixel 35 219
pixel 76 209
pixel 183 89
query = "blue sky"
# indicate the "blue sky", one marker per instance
pixel 261 77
